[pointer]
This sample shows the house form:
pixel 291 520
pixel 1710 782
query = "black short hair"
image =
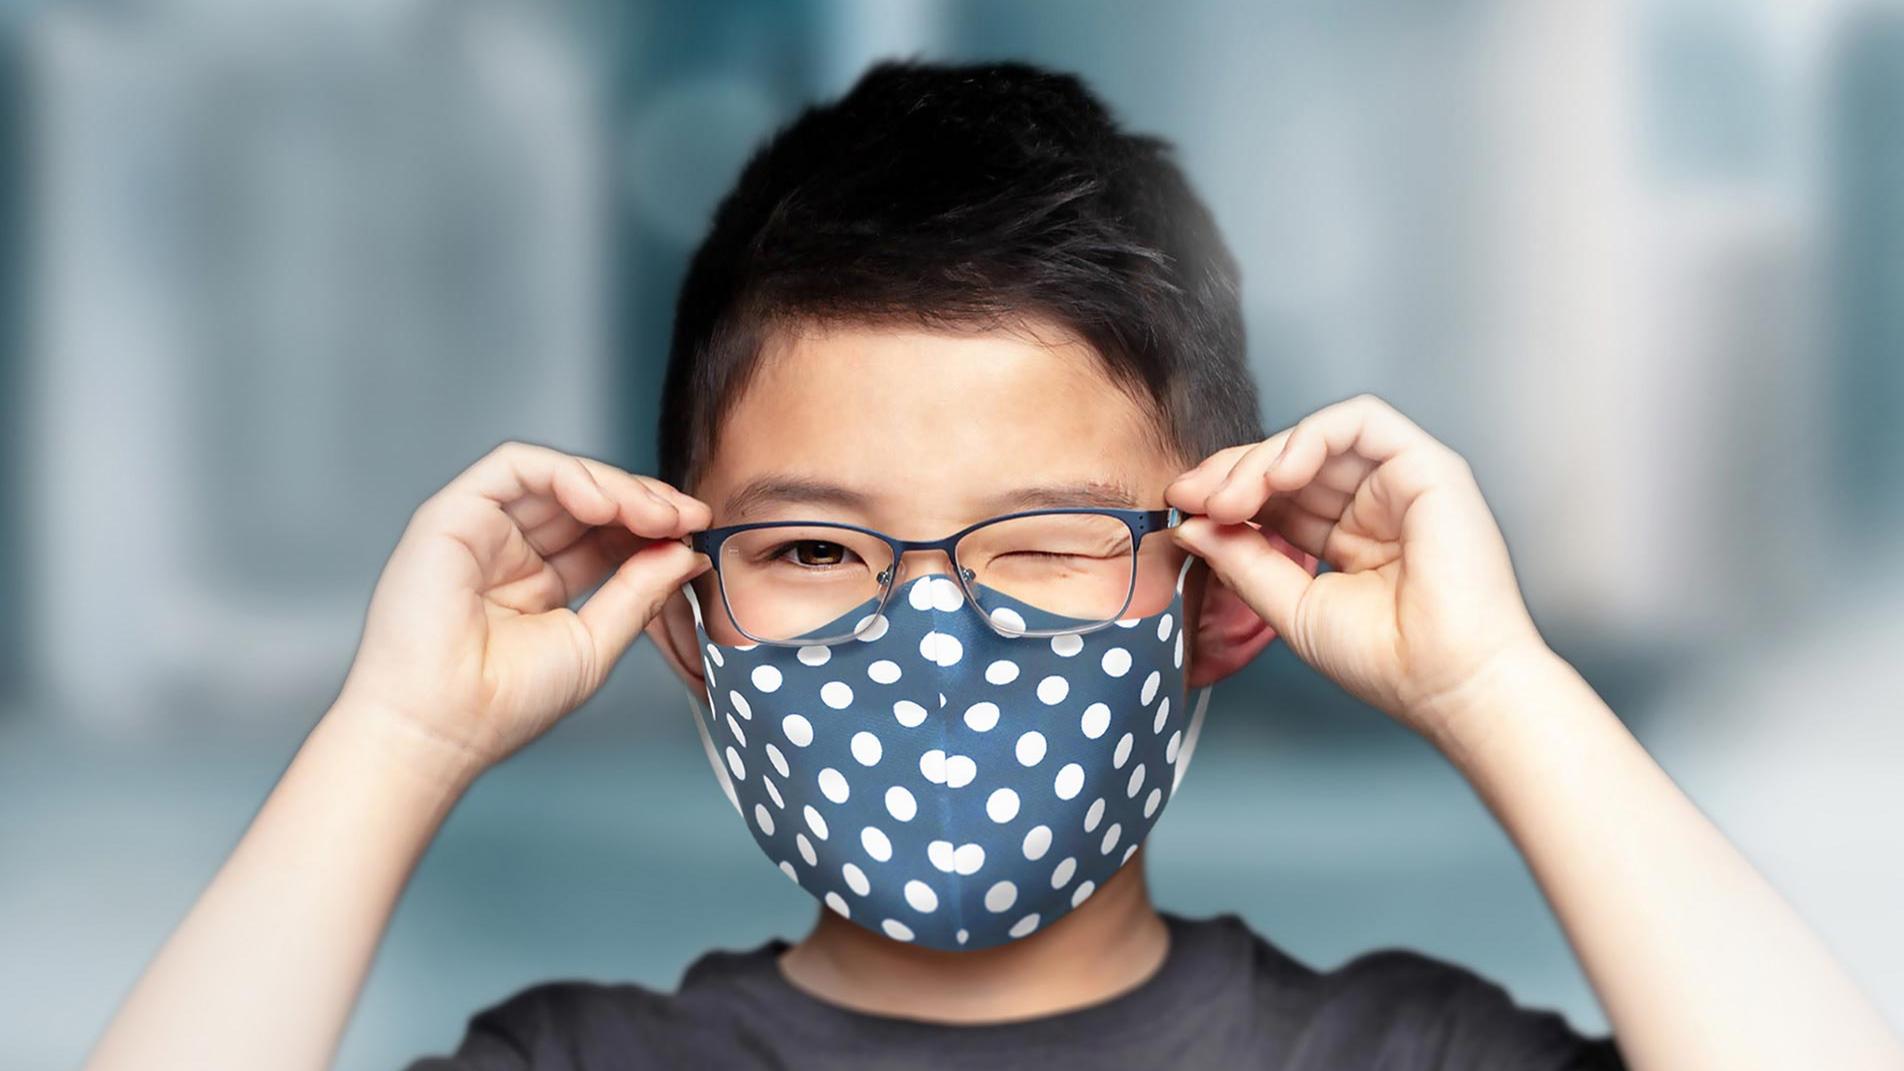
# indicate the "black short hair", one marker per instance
pixel 954 196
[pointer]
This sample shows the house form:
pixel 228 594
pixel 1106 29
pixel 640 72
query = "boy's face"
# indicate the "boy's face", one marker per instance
pixel 918 434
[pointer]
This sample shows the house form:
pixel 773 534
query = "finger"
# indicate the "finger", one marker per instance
pixel 1242 491
pixel 515 470
pixel 598 552
pixel 695 514
pixel 617 612
pixel 1364 425
pixel 1306 530
pixel 1190 492
pixel 1270 581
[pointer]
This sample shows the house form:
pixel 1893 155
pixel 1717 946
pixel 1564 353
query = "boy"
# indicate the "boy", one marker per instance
pixel 963 505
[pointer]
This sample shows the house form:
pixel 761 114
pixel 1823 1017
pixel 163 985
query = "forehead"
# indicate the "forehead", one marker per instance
pixel 931 429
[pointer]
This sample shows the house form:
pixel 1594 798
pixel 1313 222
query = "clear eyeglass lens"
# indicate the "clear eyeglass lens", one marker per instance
pixel 801 582
pixel 1074 569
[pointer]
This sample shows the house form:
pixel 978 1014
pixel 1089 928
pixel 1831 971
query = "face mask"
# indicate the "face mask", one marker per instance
pixel 939 783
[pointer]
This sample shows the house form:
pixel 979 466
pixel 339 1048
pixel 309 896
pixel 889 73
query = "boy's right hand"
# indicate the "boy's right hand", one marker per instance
pixel 469 647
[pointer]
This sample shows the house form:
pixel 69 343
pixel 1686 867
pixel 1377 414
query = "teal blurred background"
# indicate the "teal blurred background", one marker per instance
pixel 272 271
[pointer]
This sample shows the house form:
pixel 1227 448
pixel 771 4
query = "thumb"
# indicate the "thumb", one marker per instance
pixel 1258 571
pixel 624 604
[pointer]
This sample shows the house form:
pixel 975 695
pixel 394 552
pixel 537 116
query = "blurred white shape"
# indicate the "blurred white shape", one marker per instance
pixel 1792 743
pixel 296 268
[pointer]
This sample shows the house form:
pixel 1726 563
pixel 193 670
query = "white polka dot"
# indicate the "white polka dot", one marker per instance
pixel 946 596
pixel 1037 842
pixel 900 804
pixel 941 700
pixel 765 678
pixel 1117 661
pixel 1002 805
pixel 1053 689
pixel 733 763
pixel 1083 892
pixel 707 668
pixel 1111 835
pixel 896 930
pixel 910 714
pixel 1136 782
pixel 871 627
pixel 1151 801
pixel 932 766
pixel 921 896
pixel 941 647
pixel 806 849
pixel 1031 748
pixel 920 596
pixel 1008 620
pixel 1067 645
pixel 981 716
pixel 836 694
pixel 773 792
pixel 1170 749
pixel 1097 718
pixel 814 655
pixel 763 818
pixel 963 936
pixel 814 821
pixel 792 874
pixel 1023 927
pixel 875 843
pixel 833 785
pixel 1132 850
pixel 1001 897
pixel 779 761
pixel 798 730
pixel 734 727
pixel 969 859
pixel 856 879
pixel 1163 715
pixel 1070 781
pixel 884 671
pixel 1163 626
pixel 1003 671
pixel 740 705
pixel 1150 687
pixel 714 653
pixel 745 646
pixel 1128 622
pixel 941 854
pixel 837 903
pixel 1122 754
pixel 1176 656
pixel 1062 873
pixel 959 771
pixel 866 748
pixel 1094 815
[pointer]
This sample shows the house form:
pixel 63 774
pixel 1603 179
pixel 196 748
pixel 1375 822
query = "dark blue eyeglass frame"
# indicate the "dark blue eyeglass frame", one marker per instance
pixel 1140 522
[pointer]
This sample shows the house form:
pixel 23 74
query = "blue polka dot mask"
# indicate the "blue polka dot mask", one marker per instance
pixel 940 783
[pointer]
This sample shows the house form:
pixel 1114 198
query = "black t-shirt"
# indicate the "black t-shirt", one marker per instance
pixel 1223 998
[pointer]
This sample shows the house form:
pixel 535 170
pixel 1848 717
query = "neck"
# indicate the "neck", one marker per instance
pixel 1108 945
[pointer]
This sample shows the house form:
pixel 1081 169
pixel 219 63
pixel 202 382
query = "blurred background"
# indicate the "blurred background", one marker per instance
pixel 272 271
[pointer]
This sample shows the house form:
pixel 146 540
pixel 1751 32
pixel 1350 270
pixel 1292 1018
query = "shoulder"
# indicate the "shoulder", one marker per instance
pixel 553 1024
pixel 578 1024
pixel 1399 1007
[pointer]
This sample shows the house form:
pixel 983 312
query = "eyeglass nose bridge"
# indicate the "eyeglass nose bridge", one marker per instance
pixel 893 575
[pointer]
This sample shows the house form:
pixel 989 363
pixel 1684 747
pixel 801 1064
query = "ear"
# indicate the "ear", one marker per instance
pixel 672 631
pixel 1228 633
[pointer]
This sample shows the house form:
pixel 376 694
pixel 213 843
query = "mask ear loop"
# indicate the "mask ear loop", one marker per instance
pixel 700 722
pixel 713 759
pixel 1199 704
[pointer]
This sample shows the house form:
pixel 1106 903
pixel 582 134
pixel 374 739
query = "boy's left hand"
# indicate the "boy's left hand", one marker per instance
pixel 1421 602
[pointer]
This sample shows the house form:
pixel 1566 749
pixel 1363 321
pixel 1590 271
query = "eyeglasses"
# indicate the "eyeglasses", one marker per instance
pixel 800 583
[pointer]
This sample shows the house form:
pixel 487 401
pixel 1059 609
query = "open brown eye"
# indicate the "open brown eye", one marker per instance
pixel 815 552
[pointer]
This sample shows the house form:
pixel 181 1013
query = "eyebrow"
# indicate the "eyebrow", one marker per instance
pixel 807 491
